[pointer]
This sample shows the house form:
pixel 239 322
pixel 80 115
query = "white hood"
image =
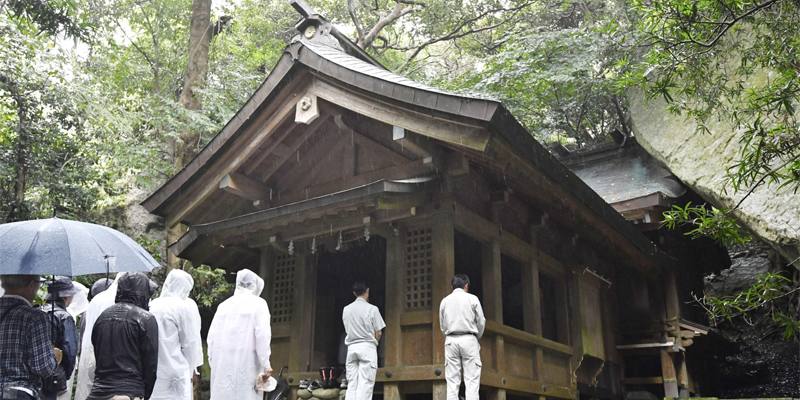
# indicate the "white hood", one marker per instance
pixel 178 284
pixel 80 300
pixel 248 281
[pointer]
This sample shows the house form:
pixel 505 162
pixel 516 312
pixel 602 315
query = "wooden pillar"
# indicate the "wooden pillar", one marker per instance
pixel 391 391
pixel 532 304
pixel 669 375
pixel 497 394
pixel 443 243
pixel 491 269
pixel 672 305
pixel 683 375
pixel 492 281
pixel 575 321
pixel 266 271
pixel 173 234
pixel 302 326
pixel 395 265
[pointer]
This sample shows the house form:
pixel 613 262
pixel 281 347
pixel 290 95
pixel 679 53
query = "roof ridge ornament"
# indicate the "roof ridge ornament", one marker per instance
pixel 314 27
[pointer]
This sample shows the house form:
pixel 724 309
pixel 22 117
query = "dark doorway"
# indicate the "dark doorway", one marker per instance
pixel 468 252
pixel 513 293
pixel 336 271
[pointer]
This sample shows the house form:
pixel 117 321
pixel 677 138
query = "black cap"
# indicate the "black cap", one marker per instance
pixel 62 287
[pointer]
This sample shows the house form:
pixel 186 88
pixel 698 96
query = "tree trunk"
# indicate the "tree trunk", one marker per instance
pixel 17 210
pixel 195 76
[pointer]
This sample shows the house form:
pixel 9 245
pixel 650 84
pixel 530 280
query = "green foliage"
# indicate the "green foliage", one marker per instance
pixel 210 286
pixel 704 222
pixel 772 293
pixel 732 61
pixel 560 71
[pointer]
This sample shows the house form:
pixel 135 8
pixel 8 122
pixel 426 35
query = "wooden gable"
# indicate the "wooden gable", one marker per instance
pixel 372 125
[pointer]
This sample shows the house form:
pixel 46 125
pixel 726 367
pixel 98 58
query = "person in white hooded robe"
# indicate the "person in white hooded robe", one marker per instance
pixel 86 364
pixel 239 341
pixel 180 348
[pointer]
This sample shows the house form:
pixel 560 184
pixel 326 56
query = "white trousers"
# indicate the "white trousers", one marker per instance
pixel 462 354
pixel 362 366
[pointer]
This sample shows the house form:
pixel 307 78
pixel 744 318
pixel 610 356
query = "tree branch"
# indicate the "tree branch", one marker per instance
pixel 351 10
pixel 398 11
pixel 459 32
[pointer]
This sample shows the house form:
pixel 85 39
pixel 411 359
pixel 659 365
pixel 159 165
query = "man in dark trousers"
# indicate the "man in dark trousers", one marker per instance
pixel 27 354
pixel 125 340
pixel 63 331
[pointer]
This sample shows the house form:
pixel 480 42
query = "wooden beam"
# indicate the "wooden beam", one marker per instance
pixel 462 134
pixel 410 142
pixel 528 338
pixel 537 186
pixel 231 161
pixel 369 143
pixel 276 147
pixel 245 187
pixel 374 146
pixel 267 172
pixel 397 172
pixel 486 231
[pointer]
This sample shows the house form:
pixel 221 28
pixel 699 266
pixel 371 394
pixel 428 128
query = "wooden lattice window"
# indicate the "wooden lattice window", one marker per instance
pixel 419 264
pixel 283 289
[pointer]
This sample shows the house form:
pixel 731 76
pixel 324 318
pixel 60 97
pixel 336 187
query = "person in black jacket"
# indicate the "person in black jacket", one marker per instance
pixel 62 331
pixel 125 339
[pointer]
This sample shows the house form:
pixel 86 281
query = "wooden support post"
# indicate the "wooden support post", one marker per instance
pixel 574 323
pixel 532 303
pixel 173 234
pixel 492 281
pixel 394 295
pixel 391 391
pixel 668 375
pixel 443 238
pixel 491 270
pixel 672 305
pixel 302 326
pixel 266 270
pixel 497 394
pixel 683 375
pixel 439 391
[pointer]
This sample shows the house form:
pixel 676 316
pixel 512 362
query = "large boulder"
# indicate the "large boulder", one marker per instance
pixel 701 162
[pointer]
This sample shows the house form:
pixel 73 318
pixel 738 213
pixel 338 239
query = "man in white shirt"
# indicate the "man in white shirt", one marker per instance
pixel 363 324
pixel 462 322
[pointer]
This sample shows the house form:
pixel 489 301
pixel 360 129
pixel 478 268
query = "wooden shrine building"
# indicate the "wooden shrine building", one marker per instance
pixel 338 170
